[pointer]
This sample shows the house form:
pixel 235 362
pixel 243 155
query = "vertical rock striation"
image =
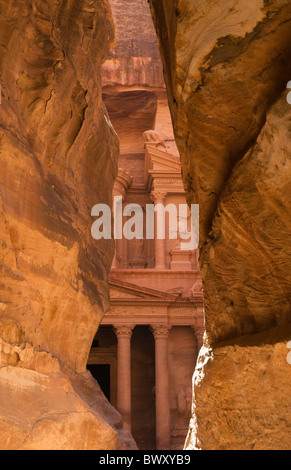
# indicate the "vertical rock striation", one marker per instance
pixel 226 69
pixel 58 157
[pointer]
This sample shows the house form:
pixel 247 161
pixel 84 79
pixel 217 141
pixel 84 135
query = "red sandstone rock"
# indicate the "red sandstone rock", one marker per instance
pixel 135 59
pixel 58 155
pixel 226 68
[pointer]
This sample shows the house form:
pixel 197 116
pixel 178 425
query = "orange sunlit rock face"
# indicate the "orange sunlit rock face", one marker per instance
pixel 226 68
pixel 85 114
pixel 58 156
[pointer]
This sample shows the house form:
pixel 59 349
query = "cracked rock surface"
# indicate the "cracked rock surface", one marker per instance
pixel 58 158
pixel 226 69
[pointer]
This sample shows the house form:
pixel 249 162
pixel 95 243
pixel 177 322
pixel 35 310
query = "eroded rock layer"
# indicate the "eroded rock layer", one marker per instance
pixel 226 68
pixel 58 157
pixel 135 59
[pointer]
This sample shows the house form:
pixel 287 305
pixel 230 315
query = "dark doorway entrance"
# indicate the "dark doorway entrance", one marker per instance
pixel 101 372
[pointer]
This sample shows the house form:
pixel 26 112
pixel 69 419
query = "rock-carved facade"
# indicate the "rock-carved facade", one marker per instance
pixel 145 351
pixel 156 295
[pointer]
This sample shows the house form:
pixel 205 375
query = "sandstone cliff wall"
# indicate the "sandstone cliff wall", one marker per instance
pixel 58 157
pixel 226 69
pixel 135 59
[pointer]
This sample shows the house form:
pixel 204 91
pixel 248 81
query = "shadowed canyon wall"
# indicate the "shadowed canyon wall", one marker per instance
pixel 226 69
pixel 58 156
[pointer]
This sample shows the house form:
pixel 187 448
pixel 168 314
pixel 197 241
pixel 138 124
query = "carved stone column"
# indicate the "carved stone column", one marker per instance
pixel 163 426
pixel 122 183
pixel 158 198
pixel 124 333
pixel 199 333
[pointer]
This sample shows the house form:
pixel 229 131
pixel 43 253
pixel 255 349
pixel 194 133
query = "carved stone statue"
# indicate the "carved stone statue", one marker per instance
pixel 154 137
pixel 197 288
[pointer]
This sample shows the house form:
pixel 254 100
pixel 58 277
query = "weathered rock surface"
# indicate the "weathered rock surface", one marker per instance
pixel 135 59
pixel 58 157
pixel 134 90
pixel 226 68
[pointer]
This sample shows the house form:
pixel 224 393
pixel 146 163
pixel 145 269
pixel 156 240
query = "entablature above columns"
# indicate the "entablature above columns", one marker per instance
pixel 153 316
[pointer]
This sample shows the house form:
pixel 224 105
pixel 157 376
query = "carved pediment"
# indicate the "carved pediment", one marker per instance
pixel 123 294
pixel 160 160
pixel 160 164
pixel 120 290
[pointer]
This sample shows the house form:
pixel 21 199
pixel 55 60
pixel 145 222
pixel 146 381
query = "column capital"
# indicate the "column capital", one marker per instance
pixel 122 183
pixel 198 330
pixel 158 196
pixel 123 331
pixel 199 333
pixel 160 331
